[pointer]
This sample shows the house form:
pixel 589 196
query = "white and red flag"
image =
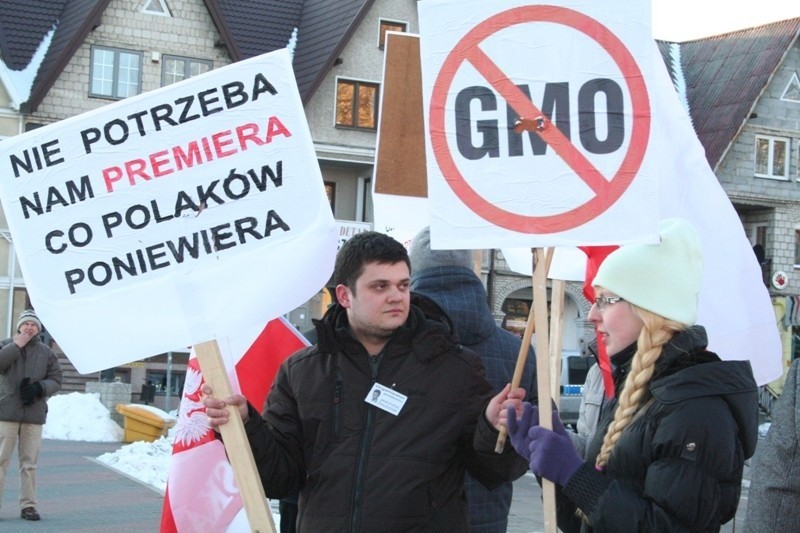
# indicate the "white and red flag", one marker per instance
pixel 201 491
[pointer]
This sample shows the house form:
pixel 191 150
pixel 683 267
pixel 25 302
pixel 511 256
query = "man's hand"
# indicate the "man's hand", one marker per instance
pixel 496 410
pixel 29 391
pixel 22 338
pixel 216 409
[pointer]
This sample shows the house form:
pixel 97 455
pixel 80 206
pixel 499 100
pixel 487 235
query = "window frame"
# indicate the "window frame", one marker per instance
pixel 772 140
pixel 796 264
pixel 186 66
pixel 116 68
pixel 383 28
pixel 356 84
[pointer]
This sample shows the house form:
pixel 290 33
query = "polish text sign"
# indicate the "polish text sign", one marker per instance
pixel 580 166
pixel 170 218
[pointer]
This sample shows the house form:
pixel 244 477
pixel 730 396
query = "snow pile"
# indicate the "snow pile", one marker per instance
pixel 147 462
pixel 79 416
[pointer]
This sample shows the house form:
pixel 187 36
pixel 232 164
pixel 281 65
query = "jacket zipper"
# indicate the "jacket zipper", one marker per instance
pixel 337 399
pixel 355 518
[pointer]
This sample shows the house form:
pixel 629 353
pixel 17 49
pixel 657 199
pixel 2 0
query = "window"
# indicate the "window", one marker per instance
pixel 388 25
pixel 771 157
pixel 115 73
pixel 330 191
pixel 797 248
pixel 176 68
pixel 792 91
pixel 158 380
pixel 356 104
pixel 156 7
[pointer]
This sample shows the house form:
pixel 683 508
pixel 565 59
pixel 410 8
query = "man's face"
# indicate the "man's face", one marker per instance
pixel 380 302
pixel 29 327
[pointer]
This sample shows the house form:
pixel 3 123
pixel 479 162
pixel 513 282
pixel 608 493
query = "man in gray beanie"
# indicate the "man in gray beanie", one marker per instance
pixel 29 374
pixel 446 276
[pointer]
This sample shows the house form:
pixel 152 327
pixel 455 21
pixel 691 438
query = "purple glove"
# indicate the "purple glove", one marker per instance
pixel 518 429
pixel 552 454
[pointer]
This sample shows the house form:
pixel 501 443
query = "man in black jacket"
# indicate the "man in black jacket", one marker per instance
pixel 395 463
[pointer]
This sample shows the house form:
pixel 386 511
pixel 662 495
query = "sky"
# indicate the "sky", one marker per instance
pixel 682 20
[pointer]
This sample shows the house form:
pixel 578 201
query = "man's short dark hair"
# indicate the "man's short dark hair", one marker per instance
pixel 363 248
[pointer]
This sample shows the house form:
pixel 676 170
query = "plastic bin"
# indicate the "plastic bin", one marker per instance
pixel 144 423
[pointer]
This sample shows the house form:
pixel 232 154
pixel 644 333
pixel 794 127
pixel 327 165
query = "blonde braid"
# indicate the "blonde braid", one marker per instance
pixel 656 332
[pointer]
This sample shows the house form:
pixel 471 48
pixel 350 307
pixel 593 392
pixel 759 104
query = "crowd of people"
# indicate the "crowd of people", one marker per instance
pixel 390 419
pixel 664 452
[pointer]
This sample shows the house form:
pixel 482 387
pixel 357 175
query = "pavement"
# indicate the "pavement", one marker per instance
pixel 77 493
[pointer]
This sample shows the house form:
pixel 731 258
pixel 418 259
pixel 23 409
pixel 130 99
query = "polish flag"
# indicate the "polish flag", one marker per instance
pixel 201 491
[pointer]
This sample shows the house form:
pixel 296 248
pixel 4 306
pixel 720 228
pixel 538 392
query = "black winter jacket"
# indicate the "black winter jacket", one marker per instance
pixel 359 468
pixel 678 466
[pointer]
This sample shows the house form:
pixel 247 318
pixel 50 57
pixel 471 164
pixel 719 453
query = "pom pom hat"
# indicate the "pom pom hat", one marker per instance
pixel 28 316
pixel 663 278
pixel 423 257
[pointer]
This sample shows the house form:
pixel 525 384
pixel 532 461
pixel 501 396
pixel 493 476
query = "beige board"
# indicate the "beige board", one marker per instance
pixel 400 159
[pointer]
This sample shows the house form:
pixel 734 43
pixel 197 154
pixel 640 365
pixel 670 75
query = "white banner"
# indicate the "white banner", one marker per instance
pixel 581 165
pixel 170 218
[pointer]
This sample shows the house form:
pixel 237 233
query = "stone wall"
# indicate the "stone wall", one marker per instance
pixel 111 394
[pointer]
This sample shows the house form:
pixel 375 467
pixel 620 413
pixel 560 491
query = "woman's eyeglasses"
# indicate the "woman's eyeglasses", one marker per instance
pixel 604 301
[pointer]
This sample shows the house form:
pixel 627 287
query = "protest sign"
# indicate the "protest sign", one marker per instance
pixel 170 218
pixel 578 72
pixel 399 184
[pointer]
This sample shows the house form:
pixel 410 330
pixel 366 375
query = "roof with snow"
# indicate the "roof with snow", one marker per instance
pixel 247 28
pixel 725 75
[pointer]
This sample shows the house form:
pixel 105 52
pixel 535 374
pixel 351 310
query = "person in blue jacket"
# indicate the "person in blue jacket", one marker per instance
pixel 446 277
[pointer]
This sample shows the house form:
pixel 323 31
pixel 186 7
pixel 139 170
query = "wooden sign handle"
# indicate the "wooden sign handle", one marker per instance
pixel 235 439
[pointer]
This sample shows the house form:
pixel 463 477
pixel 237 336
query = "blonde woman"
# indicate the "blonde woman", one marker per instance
pixel 669 451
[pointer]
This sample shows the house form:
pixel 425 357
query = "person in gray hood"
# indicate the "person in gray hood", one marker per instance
pixel 29 374
pixel 446 277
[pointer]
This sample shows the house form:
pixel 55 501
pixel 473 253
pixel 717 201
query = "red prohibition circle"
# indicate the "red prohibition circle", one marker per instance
pixel 606 191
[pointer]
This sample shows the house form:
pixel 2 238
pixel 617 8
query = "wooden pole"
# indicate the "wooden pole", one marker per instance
pixel 556 337
pixel 522 357
pixel 543 375
pixel 235 439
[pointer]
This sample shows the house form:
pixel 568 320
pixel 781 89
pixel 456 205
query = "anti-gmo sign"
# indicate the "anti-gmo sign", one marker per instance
pixel 538 122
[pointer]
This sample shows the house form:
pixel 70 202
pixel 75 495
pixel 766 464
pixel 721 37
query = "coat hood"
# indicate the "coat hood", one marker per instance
pixel 701 373
pixel 458 289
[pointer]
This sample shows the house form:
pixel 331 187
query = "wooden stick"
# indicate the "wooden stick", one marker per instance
pixel 556 334
pixel 235 439
pixel 543 379
pixel 522 358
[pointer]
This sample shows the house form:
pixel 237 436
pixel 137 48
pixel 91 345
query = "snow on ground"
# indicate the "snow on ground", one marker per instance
pixel 81 417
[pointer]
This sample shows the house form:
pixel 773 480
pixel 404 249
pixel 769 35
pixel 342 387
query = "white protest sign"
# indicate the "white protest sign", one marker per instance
pixel 171 218
pixel 735 306
pixel 583 165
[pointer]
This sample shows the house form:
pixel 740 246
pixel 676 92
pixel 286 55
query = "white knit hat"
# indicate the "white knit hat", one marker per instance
pixel 29 315
pixel 663 278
